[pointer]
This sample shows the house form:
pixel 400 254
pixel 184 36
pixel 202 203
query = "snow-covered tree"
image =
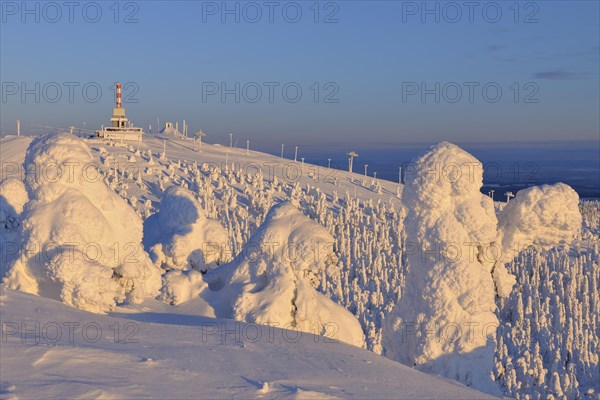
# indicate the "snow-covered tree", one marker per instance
pixel 274 279
pixel 181 237
pixel 13 198
pixel 445 321
pixel 81 242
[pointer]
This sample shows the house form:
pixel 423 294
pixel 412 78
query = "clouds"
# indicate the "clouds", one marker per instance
pixel 558 74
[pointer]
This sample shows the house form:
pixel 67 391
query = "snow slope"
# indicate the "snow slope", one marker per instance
pixel 549 333
pixel 159 353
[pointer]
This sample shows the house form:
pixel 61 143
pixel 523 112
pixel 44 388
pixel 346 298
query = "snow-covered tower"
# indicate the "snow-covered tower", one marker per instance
pixel 119 120
pixel 120 128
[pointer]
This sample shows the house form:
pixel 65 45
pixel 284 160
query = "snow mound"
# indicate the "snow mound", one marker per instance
pixel 445 322
pixel 273 281
pixel 81 242
pixel 181 237
pixel 543 216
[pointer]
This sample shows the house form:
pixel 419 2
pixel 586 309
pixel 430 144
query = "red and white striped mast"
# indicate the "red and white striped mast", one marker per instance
pixel 118 95
pixel 119 120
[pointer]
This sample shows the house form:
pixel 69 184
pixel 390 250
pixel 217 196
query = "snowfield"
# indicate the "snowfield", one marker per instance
pixel 191 253
pixel 152 351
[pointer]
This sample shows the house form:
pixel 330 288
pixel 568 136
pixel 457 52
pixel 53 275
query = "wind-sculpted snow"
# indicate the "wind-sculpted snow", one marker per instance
pixel 181 237
pixel 442 322
pixel 81 242
pixel 273 281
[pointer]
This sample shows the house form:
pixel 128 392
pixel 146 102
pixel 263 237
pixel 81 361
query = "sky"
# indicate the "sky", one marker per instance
pixel 346 73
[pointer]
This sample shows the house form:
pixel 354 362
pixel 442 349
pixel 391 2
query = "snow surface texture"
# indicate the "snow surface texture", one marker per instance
pixel 174 353
pixel 181 237
pixel 81 242
pixel 445 321
pixel 273 281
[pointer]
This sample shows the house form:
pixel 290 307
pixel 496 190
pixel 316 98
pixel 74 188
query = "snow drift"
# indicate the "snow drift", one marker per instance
pixel 81 243
pixel 545 324
pixel 181 237
pixel 273 280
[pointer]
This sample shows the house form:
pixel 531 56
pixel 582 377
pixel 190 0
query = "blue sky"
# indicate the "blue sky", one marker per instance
pixel 367 61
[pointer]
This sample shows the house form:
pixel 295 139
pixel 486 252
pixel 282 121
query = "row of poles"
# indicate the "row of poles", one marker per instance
pixel 351 155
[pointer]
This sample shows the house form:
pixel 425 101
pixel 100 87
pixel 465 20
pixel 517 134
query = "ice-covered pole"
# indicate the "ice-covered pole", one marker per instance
pixel 118 95
pixel 199 134
pixel 351 156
